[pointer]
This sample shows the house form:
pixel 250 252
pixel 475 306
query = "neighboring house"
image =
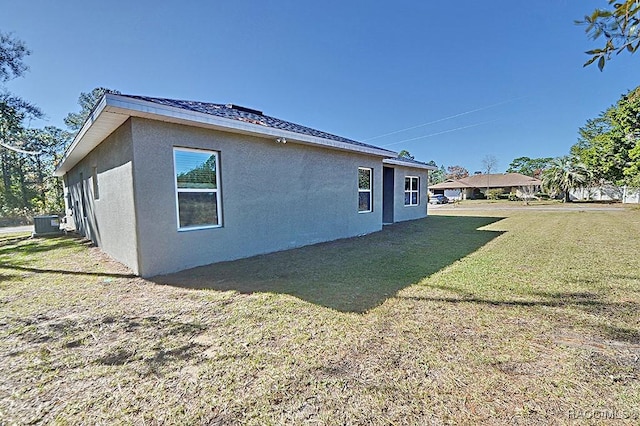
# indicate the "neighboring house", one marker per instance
pixel 475 186
pixel 163 185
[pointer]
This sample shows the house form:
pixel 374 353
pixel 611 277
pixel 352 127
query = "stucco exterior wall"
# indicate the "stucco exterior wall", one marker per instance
pixel 402 212
pixel 109 219
pixel 274 196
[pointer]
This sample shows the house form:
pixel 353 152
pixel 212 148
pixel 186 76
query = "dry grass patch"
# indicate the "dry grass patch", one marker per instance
pixel 538 325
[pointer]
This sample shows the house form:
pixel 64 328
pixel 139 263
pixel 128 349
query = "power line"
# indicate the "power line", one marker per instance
pixel 21 151
pixel 443 132
pixel 445 118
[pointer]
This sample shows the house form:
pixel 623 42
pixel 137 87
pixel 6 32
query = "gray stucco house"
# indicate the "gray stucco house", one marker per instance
pixel 164 185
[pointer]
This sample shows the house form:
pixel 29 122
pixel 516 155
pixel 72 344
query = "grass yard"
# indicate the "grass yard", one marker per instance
pixel 472 317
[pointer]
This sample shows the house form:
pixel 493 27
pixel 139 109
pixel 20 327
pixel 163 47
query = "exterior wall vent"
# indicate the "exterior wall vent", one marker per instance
pixel 244 109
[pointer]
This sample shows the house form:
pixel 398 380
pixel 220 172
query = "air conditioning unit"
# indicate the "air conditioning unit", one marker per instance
pixel 46 225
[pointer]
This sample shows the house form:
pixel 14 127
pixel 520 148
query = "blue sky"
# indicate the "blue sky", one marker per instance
pixel 359 69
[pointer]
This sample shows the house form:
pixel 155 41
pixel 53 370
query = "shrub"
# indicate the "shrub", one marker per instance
pixel 494 194
pixel 542 196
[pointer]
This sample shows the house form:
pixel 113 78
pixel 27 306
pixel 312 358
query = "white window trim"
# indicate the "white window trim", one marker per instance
pixel 217 190
pixel 370 170
pixel 411 191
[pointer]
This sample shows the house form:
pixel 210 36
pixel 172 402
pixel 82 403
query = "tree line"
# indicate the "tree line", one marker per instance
pixel 28 156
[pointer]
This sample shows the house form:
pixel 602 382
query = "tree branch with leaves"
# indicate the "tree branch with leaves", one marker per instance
pixel 619 25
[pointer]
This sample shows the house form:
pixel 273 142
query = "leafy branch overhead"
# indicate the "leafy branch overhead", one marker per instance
pixel 618 25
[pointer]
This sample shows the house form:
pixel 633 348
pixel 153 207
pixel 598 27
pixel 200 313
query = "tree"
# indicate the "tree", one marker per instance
pixel 50 143
pixel 528 193
pixel 12 53
pixel 87 101
pixel 618 24
pixel 27 156
pixel 406 154
pixel 607 145
pixel 13 110
pixel 456 172
pixel 529 166
pixel 436 176
pixel 563 175
pixel 489 164
pixel 632 172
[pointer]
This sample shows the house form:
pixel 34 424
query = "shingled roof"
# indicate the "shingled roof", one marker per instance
pixel 404 161
pixel 114 109
pixel 497 180
pixel 247 115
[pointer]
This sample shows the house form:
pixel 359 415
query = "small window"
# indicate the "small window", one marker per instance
pixel 94 180
pixel 197 188
pixel 83 196
pixel 411 191
pixel 364 190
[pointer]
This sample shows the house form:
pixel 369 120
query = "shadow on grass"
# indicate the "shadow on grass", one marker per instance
pixel 12 239
pixel 584 301
pixel 16 256
pixel 349 275
pixel 41 244
pixel 65 272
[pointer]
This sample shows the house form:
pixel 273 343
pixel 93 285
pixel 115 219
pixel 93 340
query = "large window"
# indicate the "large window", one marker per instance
pixel 411 191
pixel 364 190
pixel 197 188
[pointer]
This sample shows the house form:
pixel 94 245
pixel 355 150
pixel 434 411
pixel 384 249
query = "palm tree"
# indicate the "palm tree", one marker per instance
pixel 563 175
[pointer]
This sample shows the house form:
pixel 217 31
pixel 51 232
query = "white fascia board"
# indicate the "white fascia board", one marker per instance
pixel 397 162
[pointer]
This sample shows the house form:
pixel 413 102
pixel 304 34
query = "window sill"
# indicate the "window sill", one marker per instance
pixel 199 228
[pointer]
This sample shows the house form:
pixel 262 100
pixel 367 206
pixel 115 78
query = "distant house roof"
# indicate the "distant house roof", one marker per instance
pixel 449 184
pixel 114 109
pixel 498 180
pixel 404 161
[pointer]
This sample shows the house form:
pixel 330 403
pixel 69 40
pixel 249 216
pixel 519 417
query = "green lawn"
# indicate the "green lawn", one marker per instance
pixel 498 317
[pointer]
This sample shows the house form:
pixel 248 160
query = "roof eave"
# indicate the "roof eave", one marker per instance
pixel 113 110
pixel 76 150
pixel 397 162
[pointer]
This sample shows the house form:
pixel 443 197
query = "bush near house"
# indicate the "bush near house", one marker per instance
pixel 494 194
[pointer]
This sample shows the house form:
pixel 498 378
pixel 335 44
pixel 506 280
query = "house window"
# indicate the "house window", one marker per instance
pixel 197 188
pixel 364 190
pixel 82 196
pixel 94 180
pixel 411 191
